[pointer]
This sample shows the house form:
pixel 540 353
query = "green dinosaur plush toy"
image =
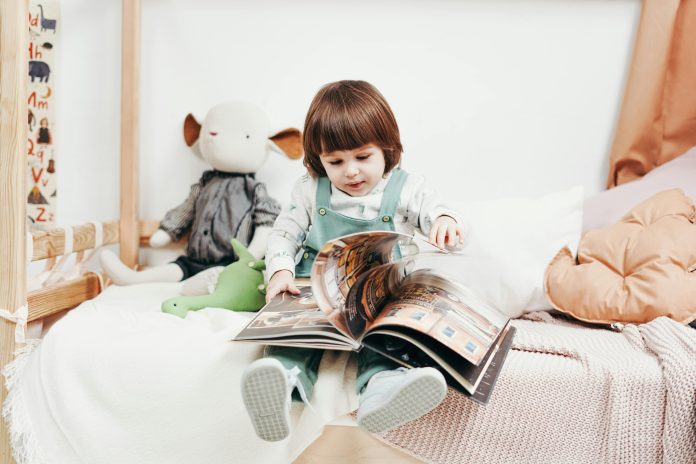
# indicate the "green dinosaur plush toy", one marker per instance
pixel 240 287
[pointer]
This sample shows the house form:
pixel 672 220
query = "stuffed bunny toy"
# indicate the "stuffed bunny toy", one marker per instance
pixel 227 202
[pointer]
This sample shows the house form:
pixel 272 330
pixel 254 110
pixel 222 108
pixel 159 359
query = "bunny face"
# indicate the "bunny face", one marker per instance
pixel 234 137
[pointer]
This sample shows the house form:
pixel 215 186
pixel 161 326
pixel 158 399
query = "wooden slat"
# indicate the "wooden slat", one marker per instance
pixel 340 444
pixel 61 297
pixel 47 244
pixel 13 193
pixel 51 243
pixel 130 101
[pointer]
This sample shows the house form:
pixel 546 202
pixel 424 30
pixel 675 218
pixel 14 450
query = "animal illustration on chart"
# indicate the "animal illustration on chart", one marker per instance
pixel 47 24
pixel 40 70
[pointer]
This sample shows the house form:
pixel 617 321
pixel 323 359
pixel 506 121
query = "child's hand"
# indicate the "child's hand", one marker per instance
pixel 281 281
pixel 445 230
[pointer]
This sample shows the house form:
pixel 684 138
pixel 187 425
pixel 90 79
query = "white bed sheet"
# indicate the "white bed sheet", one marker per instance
pixel 118 381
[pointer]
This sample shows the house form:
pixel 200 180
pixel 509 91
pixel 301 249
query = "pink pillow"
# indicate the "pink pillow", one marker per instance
pixel 633 271
pixel 608 207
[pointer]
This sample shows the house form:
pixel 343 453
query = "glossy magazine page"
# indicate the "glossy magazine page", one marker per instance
pixel 294 320
pixel 445 311
pixel 348 261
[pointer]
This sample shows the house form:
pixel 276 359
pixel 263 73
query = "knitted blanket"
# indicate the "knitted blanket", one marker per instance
pixel 573 394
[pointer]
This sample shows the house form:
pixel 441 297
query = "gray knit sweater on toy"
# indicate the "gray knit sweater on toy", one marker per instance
pixel 221 206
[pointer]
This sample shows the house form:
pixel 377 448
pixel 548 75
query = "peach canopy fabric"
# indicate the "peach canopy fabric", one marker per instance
pixel 658 115
pixel 634 271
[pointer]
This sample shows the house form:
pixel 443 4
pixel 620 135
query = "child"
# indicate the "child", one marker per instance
pixel 352 147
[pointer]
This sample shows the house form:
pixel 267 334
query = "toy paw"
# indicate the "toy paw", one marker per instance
pixel 258 265
pixel 159 239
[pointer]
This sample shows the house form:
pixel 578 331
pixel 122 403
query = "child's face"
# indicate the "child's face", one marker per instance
pixel 356 172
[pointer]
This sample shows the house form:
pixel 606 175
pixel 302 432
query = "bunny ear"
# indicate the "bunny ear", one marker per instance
pixel 288 142
pixel 192 130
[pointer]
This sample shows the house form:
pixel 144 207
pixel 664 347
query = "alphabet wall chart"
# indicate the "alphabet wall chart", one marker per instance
pixel 41 162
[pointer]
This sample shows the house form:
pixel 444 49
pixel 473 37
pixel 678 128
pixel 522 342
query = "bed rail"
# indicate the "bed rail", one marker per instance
pixel 67 295
pixel 13 141
pixel 51 300
pixel 51 243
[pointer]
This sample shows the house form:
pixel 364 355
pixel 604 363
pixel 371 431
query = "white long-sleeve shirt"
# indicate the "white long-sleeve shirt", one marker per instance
pixel 419 206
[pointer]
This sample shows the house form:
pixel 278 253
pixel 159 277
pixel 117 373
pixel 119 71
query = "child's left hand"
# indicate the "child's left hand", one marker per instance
pixel 445 230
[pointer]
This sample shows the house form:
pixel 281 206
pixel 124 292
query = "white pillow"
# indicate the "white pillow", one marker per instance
pixel 509 244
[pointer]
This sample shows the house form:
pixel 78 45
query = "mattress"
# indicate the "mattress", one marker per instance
pixel 117 381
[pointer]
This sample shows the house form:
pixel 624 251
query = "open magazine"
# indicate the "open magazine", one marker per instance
pixel 362 294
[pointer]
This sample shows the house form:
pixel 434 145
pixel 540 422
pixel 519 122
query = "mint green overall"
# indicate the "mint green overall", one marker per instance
pixel 326 225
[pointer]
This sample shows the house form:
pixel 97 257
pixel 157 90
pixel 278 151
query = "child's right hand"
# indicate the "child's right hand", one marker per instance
pixel 281 281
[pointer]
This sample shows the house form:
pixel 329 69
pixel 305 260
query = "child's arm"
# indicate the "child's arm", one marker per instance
pixel 290 229
pixel 426 211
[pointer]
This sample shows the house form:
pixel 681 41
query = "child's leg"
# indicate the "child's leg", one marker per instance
pixel 390 396
pixel 370 363
pixel 307 362
pixel 269 383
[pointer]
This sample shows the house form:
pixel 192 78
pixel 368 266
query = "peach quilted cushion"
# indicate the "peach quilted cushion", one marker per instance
pixel 633 271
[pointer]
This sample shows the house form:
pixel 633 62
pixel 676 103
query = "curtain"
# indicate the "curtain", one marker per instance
pixel 658 116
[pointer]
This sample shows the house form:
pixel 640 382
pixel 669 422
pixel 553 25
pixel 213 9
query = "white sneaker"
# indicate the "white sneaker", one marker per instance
pixel 393 398
pixel 266 392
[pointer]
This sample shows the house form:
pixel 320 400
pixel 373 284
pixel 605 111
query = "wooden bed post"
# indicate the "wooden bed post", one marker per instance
pixel 130 117
pixel 13 209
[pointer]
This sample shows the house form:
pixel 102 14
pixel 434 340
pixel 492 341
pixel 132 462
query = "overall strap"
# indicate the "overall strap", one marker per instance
pixel 323 193
pixel 392 194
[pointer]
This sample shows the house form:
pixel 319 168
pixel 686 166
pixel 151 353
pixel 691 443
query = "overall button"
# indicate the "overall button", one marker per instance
pixel 386 219
pixel 322 211
pixel 306 255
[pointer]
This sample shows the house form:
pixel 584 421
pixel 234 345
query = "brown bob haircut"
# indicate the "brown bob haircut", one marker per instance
pixel 346 115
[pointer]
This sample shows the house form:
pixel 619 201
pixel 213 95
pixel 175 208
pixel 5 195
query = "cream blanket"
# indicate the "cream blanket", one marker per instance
pixel 117 381
pixel 573 394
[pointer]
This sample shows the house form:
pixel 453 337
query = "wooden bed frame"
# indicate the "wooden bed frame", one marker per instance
pixel 339 444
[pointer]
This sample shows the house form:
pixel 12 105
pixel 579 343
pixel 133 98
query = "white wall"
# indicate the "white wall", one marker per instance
pixel 494 98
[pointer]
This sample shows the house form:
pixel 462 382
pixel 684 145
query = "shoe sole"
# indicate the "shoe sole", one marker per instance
pixel 415 399
pixel 265 396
